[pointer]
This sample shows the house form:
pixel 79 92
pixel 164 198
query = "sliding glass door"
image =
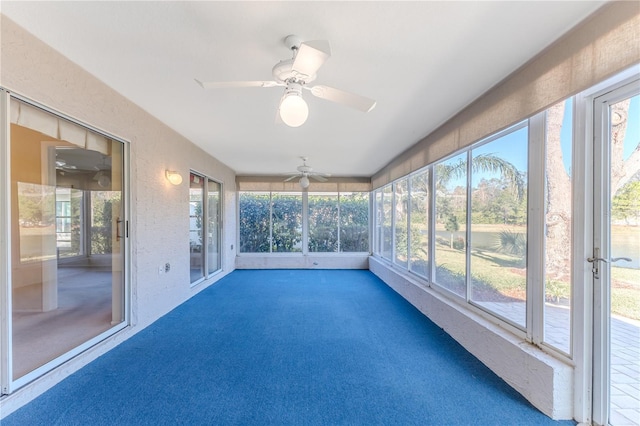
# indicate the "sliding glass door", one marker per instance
pixel 204 227
pixel 67 252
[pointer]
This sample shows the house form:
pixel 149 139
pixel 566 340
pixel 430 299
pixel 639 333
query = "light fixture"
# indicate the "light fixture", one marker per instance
pixel 304 182
pixel 103 179
pixel 173 177
pixel 293 109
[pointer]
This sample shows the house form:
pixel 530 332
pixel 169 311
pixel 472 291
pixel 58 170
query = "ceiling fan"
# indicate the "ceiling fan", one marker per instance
pixel 304 173
pixel 295 74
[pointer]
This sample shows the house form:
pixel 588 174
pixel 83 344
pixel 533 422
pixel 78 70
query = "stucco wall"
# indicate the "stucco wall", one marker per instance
pixel 542 379
pixel 159 219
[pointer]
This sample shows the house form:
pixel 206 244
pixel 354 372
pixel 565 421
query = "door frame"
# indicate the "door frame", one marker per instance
pixel 584 321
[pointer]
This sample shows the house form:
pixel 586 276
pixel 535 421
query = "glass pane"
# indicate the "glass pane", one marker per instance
pixel 401 206
pixel 323 222
pixel 558 223
pixel 451 216
pixel 59 304
pixel 499 226
pixel 377 245
pixel 354 221
pixel 255 213
pixel 387 205
pixel 69 222
pixel 625 274
pixel 196 197
pixel 102 203
pixel 419 205
pixel 213 226
pixel 286 221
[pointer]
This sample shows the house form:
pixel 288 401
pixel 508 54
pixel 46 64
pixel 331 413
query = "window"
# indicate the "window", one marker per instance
pixel 451 218
pixel 401 198
pixel 69 203
pixel 387 225
pixel 255 222
pixel 273 222
pixel 558 225
pixel 286 222
pixel 419 223
pixel 498 242
pixel 324 220
pixel 354 221
pixel 204 226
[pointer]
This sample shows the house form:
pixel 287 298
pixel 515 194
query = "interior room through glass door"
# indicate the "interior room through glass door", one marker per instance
pixel 68 232
pixel 616 257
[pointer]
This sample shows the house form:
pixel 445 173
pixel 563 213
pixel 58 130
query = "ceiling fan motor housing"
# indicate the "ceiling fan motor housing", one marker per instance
pixel 283 73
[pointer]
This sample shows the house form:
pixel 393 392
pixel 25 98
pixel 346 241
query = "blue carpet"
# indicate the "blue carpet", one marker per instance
pixel 286 347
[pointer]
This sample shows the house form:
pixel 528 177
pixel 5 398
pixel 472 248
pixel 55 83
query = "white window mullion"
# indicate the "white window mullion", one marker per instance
pixel 431 273
pixel 536 229
pixel 5 252
pixel 467 245
pixel 305 223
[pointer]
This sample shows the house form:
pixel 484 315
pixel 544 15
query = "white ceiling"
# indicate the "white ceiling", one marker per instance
pixel 421 61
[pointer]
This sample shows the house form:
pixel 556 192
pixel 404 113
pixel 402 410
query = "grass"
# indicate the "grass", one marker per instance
pixel 505 276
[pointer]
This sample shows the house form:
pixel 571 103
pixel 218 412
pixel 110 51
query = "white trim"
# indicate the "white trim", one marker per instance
pixel 536 189
pixel 5 247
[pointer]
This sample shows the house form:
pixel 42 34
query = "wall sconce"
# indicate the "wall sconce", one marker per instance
pixel 173 177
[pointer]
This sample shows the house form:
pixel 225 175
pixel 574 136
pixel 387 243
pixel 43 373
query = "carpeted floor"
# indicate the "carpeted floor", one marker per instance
pixel 309 347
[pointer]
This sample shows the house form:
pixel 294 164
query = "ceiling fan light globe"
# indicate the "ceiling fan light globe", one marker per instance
pixel 293 110
pixel 304 182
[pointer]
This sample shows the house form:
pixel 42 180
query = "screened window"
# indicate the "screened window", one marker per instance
pixel 273 222
pixel 255 222
pixel 387 224
pixel 354 221
pixel 401 201
pixel 324 222
pixel 419 223
pixel 451 218
pixel 498 244
pixel 286 222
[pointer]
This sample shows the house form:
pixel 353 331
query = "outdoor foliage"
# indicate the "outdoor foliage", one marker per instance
pixel 274 224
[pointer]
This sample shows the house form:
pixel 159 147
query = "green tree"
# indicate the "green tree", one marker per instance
pixel 626 203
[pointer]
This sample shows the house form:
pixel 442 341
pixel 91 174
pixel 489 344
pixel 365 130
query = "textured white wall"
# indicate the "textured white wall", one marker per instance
pixel 159 221
pixel 542 379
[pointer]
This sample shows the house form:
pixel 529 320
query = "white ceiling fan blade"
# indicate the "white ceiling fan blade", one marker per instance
pixel 234 84
pixel 318 177
pixel 311 55
pixel 339 96
pixel 292 177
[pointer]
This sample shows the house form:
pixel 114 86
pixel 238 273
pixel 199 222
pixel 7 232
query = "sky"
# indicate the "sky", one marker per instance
pixel 512 147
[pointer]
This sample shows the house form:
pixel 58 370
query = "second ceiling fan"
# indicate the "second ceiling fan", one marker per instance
pixel 295 74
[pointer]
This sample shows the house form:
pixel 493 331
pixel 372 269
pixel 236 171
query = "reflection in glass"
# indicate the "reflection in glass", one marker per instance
pixel 499 226
pixel 419 227
pixel 67 271
pixel 451 213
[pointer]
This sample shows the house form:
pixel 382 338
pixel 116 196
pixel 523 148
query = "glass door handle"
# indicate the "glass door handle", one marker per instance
pixel 613 259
